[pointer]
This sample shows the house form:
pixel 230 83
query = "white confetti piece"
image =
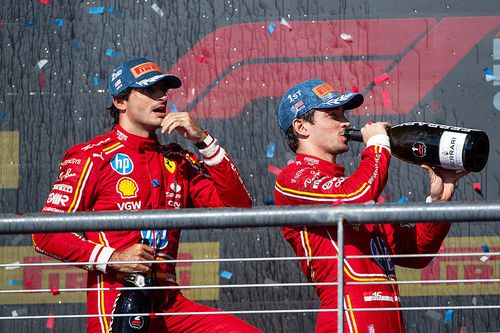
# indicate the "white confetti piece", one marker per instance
pixel 346 37
pixel 42 63
pixel 157 9
pixel 14 265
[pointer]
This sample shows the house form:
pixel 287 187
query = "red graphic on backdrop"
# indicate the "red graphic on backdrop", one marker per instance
pixel 246 63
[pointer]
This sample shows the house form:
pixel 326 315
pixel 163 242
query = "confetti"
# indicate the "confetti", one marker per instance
pixel 201 59
pixel 477 188
pixel 403 200
pixel 448 317
pixel 173 107
pixel 269 202
pixel 270 150
pixel 152 315
pixel 355 89
pixel 50 321
pixel 113 53
pixel 96 10
pixel 380 199
pixel 41 63
pixel 386 99
pixel 274 170
pixel 157 9
pixel 13 282
pixel 285 23
pixel 111 9
pixel 41 79
pixel 485 248
pixel 226 275
pixel 30 23
pixel 75 45
pixel 55 291
pixel 346 37
pixel 95 80
pixel 155 182
pixel 270 28
pixel 484 258
pixel 58 22
pixel 489 76
pixel 14 313
pixel 381 78
pixel 43 2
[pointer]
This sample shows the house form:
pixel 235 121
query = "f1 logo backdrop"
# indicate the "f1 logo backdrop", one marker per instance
pixel 243 62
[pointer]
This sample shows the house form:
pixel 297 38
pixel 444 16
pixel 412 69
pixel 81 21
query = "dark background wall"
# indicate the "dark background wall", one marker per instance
pixel 234 73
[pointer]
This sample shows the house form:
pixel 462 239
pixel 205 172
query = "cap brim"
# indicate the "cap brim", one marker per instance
pixel 354 101
pixel 172 81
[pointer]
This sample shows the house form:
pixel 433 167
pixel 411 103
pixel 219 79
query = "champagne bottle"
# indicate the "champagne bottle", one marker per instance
pixel 450 147
pixel 133 301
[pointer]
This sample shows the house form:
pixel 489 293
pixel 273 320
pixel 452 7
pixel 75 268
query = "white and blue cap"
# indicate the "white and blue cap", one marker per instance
pixel 139 73
pixel 311 95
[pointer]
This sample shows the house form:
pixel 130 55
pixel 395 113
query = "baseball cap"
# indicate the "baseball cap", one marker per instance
pixel 139 73
pixel 313 94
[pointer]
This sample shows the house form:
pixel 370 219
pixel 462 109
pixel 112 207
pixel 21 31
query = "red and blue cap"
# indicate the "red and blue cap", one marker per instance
pixel 139 73
pixel 311 95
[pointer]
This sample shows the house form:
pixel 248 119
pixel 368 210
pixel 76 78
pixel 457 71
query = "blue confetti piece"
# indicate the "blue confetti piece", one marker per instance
pixel 58 22
pixel 75 45
pixel 173 107
pixel 270 28
pixel 487 71
pixel 448 316
pixel 226 275
pixel 113 53
pixel 30 23
pixel 270 150
pixel 13 282
pixel 96 10
pixel 485 248
pixel 269 202
pixel 3 114
pixel 403 200
pixel 95 80
pixel 156 183
pixel 111 9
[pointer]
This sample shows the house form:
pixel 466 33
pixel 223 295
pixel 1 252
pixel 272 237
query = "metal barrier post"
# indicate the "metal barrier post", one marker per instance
pixel 340 275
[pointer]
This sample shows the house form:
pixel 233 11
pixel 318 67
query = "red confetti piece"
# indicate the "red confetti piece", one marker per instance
pixel 152 315
pixel 19 213
pixel 50 321
pixel 201 59
pixel 380 199
pixel 54 291
pixel 274 170
pixel 441 248
pixel 386 99
pixel 355 89
pixel 44 2
pixel 477 188
pixel 41 79
pixel 380 79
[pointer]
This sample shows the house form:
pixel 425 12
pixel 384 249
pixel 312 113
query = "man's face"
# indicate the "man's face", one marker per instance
pixel 146 107
pixel 327 132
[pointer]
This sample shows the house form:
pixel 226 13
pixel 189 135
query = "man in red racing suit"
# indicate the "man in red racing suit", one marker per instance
pixel 315 178
pixel 132 171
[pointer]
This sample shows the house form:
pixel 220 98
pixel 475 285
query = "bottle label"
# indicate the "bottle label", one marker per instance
pixel 451 146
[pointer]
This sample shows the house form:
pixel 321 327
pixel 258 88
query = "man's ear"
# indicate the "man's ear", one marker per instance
pixel 301 127
pixel 120 104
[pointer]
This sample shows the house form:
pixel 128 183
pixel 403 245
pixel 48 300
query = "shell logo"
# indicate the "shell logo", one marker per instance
pixel 169 165
pixel 127 188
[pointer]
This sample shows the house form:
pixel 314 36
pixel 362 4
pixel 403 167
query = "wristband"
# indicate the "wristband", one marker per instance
pixel 205 143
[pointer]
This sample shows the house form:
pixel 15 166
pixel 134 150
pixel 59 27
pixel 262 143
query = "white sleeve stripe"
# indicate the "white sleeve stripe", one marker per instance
pixel 216 159
pixel 379 140
pixel 104 258
pixel 93 256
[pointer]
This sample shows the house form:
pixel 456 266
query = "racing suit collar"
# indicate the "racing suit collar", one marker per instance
pixel 323 165
pixel 135 142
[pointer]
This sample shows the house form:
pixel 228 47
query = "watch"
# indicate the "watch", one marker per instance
pixel 205 143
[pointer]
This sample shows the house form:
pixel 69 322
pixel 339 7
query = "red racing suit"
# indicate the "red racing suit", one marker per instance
pixel 121 171
pixel 314 181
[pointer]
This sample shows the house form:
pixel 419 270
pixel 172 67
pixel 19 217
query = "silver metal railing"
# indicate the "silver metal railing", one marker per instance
pixel 269 216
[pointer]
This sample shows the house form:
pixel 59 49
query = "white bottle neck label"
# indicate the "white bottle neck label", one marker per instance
pixel 451 146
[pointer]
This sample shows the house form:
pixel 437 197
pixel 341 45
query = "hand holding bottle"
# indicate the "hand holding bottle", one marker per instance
pixel 442 182
pixel 137 252
pixel 372 129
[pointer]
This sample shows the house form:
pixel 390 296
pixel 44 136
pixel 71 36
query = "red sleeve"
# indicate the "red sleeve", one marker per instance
pixel 421 238
pixel 308 185
pixel 72 191
pixel 216 182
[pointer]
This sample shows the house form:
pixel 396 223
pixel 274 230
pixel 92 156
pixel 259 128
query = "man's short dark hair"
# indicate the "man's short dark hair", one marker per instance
pixel 113 111
pixel 292 138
